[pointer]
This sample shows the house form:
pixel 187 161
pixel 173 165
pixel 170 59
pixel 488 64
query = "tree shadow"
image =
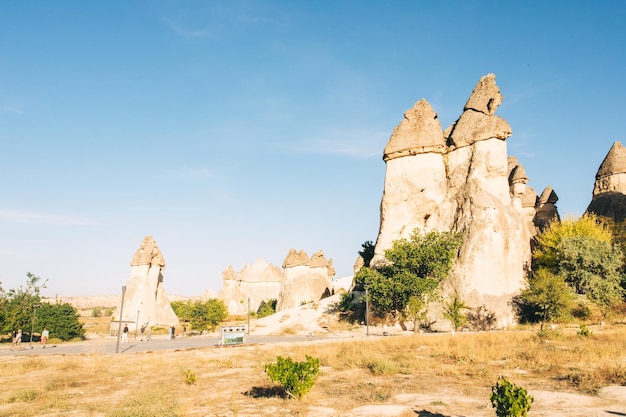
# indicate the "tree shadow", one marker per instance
pixel 424 413
pixel 616 413
pixel 266 392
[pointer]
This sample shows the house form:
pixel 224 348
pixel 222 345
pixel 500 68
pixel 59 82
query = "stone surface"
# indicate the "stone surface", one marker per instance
pixel 469 186
pixel 145 300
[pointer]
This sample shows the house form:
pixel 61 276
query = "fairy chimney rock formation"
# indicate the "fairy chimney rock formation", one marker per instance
pixel 459 180
pixel 145 300
pixel 609 191
pixel 253 284
pixel 304 279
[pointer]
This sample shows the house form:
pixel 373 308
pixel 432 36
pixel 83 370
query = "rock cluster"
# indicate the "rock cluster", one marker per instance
pixel 460 179
pixel 301 279
pixel 609 191
pixel 145 300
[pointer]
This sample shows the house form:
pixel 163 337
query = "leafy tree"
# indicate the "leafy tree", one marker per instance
pixel 547 255
pixel 593 268
pixel 415 311
pixel 367 253
pixel 18 304
pixel 267 308
pixel 61 319
pixel 547 297
pixel 206 315
pixel 583 254
pixel 181 309
pixel 454 312
pixel 412 268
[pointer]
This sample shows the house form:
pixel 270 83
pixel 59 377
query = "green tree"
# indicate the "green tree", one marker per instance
pixel 415 311
pixel 61 319
pixel 21 305
pixel 454 312
pixel 206 315
pixel 593 268
pixel 18 304
pixel 582 252
pixel 546 253
pixel 547 298
pixel 412 268
pixel 367 252
pixel 267 308
pixel 181 309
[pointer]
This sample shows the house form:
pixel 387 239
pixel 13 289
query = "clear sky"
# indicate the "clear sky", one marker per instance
pixel 236 130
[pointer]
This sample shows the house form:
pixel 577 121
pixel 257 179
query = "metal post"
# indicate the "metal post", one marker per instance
pixel 137 324
pixel 32 327
pixel 248 314
pixel 119 328
pixel 367 310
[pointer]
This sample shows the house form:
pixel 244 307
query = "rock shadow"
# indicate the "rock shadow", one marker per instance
pixel 266 392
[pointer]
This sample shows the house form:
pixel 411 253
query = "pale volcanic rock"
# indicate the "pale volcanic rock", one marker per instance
pixel 609 191
pixel 304 279
pixel 145 300
pixel 258 283
pixel 468 188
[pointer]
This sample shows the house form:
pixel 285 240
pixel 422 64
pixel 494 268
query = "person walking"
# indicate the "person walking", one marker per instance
pixel 125 334
pixel 143 329
pixel 44 337
pixel 18 340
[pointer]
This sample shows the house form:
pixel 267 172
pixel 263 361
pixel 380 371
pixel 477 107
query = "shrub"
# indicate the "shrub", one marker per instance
pixel 297 378
pixel 96 312
pixel 510 400
pixel 267 308
pixel 481 319
pixel 190 377
pixel 584 331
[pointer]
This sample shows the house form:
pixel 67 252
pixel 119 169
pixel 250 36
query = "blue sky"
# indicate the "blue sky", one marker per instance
pixel 236 130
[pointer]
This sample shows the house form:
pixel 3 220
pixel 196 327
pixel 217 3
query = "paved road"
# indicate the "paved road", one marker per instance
pixel 109 345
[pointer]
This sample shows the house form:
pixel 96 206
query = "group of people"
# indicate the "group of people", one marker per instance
pixel 17 339
pixel 148 334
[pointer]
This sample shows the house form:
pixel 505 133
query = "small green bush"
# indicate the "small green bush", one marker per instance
pixel 510 400
pixel 190 377
pixel 584 331
pixel 96 312
pixel 297 378
pixel 267 308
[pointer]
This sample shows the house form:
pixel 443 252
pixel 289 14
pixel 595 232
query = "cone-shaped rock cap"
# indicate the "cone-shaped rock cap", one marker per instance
pixel 518 175
pixel 419 132
pixel 148 254
pixel 548 196
pixel 614 162
pixel 486 96
pixel 296 258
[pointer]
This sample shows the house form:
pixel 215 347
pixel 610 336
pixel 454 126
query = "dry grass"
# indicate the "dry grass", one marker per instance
pixel 232 382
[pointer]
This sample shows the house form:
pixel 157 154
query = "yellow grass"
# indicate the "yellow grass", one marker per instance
pixel 231 381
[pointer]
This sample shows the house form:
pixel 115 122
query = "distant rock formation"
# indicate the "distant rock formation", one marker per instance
pixel 145 300
pixel 609 191
pixel 256 284
pixel 461 180
pixel 302 279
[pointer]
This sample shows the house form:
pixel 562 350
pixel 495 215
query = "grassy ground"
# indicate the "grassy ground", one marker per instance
pixel 355 372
